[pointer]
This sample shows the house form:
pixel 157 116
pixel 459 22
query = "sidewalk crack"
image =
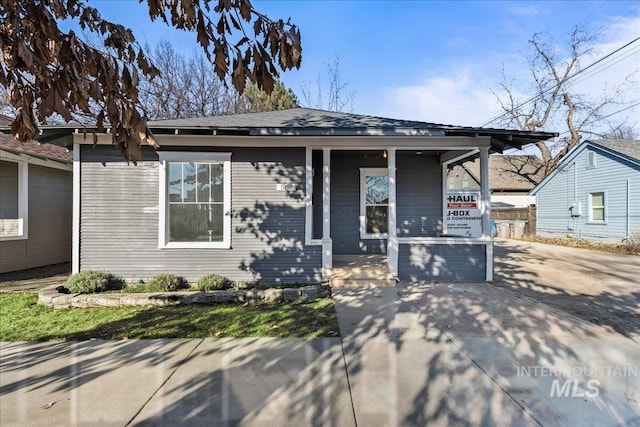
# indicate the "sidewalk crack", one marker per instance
pixel 166 380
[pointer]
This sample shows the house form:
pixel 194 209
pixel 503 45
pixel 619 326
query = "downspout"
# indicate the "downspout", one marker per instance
pixel 576 219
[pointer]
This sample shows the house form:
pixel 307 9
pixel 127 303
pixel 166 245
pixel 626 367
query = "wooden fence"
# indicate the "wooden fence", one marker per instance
pixel 517 214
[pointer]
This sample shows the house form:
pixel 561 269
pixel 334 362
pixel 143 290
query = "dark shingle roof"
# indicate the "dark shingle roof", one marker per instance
pixel 294 118
pixel 34 148
pixel 308 121
pixel 5 120
pixel 311 122
pixel 510 172
pixel 626 147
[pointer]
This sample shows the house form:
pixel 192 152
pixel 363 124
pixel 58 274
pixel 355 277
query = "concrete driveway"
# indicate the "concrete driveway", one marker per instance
pixel 598 287
pixel 477 354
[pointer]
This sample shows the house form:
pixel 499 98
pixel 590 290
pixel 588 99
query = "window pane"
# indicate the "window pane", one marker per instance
pixel 189 177
pixel 376 219
pixel 377 190
pixel 175 182
pixel 597 214
pixel 217 181
pixel 195 222
pixel 597 199
pixel 204 183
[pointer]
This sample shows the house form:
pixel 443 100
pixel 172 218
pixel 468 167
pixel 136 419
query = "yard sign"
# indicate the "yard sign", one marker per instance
pixel 462 214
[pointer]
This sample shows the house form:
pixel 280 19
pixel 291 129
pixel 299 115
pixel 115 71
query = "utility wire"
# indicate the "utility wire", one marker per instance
pixel 533 98
pixel 608 65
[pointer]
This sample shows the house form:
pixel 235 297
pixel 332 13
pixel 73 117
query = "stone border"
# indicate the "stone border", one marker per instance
pixel 53 298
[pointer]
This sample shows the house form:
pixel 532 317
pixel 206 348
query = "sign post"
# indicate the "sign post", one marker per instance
pixel 462 214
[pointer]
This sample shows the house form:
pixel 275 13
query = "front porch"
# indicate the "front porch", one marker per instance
pixel 361 231
pixel 361 271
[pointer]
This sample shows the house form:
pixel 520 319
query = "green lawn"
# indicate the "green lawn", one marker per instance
pixel 22 319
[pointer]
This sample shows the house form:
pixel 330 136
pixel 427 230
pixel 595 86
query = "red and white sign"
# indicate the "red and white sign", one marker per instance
pixel 462 214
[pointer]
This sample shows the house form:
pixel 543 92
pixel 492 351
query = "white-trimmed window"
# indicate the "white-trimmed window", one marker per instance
pixel 597 210
pixel 195 200
pixel 374 203
pixel 14 197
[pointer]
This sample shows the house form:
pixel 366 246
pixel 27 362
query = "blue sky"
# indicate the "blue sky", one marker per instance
pixel 428 60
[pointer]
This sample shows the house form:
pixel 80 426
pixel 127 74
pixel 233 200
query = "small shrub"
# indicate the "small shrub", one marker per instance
pixel 87 282
pixel 166 283
pixel 213 282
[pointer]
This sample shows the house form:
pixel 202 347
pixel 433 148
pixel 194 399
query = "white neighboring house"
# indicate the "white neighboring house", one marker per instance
pixel 36 200
pixel 511 178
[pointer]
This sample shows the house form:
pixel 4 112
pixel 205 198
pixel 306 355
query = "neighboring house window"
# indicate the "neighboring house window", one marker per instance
pixel 13 200
pixel 195 196
pixel 374 203
pixel 597 207
pixel 591 160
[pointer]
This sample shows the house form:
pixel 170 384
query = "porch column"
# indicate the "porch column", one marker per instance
pixel 327 250
pixel 392 236
pixel 486 210
pixel 75 224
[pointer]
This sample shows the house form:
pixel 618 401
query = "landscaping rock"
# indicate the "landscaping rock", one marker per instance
pixel 309 293
pixel 273 295
pixel 291 294
pixel 52 297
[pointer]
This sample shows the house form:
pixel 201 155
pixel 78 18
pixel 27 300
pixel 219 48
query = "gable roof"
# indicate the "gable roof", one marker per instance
pixel 32 148
pixel 509 172
pixel 625 148
pixel 311 122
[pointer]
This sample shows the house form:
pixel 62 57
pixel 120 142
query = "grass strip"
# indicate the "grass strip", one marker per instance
pixel 25 320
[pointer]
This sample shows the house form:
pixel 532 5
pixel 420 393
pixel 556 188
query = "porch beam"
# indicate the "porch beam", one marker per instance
pixel 392 233
pixel 455 155
pixel 327 250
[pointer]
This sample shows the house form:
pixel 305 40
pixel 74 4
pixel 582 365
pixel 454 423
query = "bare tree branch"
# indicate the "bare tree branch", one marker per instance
pixel 552 95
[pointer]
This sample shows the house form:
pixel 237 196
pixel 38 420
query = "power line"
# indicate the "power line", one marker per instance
pixel 609 64
pixel 593 64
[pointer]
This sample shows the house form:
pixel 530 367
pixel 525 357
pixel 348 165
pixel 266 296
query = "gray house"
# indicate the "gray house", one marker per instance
pixel 281 196
pixel 35 203
pixel 593 194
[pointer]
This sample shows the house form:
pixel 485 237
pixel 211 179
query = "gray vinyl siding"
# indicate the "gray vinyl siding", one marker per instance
pixel 317 194
pixel 574 184
pixel 119 219
pixel 345 203
pixel 419 195
pixel 8 190
pixel 417 262
pixel 49 222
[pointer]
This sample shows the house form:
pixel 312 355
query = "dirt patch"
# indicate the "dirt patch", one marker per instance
pixel 599 287
pixel 35 278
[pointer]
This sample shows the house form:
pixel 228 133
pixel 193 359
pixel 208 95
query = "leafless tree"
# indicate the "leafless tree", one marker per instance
pixel 552 95
pixel 185 87
pixel 623 131
pixel 335 97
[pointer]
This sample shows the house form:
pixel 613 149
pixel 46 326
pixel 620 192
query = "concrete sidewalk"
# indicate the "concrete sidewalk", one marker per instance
pixel 261 381
pixel 443 354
